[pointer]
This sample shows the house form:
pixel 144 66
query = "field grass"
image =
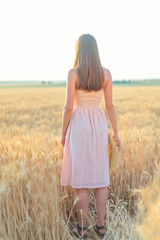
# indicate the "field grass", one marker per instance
pixel 33 203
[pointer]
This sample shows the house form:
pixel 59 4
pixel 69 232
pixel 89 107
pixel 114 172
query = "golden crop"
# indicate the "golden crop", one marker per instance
pixel 33 204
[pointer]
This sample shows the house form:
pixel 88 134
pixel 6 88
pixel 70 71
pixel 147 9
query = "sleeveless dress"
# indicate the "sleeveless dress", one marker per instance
pixel 86 154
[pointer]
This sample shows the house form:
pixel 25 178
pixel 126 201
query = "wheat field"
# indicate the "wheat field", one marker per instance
pixel 33 204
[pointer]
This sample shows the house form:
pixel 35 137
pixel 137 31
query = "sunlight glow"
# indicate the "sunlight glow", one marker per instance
pixel 38 37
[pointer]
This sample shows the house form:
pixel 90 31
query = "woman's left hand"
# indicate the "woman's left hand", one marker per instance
pixel 63 140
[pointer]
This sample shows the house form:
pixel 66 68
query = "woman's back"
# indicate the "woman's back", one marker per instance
pixel 88 99
pixel 86 156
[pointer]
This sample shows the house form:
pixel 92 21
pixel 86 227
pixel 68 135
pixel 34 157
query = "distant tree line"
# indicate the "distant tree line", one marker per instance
pixel 44 82
pixel 130 82
pixel 122 81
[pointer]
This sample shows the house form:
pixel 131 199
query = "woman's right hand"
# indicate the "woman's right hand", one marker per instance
pixel 117 141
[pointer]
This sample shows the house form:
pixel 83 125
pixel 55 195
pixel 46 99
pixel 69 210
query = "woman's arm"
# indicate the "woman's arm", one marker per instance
pixel 69 102
pixel 109 107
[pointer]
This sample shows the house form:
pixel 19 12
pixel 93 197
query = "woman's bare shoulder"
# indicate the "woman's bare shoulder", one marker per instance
pixel 107 75
pixel 75 70
pixel 106 71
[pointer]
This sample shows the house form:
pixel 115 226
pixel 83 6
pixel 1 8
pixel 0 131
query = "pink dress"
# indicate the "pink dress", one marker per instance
pixel 86 155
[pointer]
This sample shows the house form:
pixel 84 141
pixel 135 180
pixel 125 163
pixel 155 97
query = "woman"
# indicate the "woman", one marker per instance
pixel 85 132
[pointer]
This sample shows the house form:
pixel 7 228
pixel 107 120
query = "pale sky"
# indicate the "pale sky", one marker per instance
pixel 37 38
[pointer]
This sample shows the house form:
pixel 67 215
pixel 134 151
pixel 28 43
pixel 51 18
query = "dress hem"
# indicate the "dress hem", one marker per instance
pixel 73 186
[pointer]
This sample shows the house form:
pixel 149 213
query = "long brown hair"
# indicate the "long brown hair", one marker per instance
pixel 87 60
